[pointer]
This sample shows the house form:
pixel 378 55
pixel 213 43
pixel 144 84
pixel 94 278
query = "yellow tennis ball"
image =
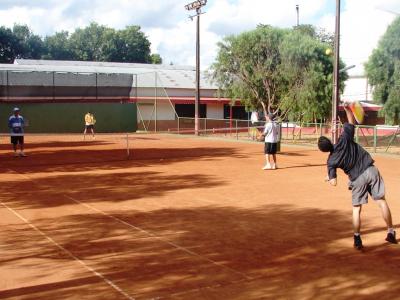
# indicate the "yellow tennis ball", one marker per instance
pixel 328 51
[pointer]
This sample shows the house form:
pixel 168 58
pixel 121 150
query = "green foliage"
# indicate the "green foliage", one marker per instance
pixel 383 72
pixel 130 45
pixel 92 43
pixel 9 46
pixel 58 47
pixel 281 70
pixel 156 59
pixel 87 43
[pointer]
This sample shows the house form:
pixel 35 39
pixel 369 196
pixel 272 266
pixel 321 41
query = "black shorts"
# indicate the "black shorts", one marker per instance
pixel 270 148
pixel 17 139
pixel 89 126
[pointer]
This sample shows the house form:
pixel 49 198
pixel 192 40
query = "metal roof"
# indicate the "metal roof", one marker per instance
pixel 169 76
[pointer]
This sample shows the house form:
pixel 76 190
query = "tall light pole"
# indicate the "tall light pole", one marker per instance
pixel 197 5
pixel 297 12
pixel 335 95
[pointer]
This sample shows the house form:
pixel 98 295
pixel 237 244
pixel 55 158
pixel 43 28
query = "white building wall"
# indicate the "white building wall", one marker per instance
pixel 215 111
pixel 146 111
pixel 165 111
pixel 357 88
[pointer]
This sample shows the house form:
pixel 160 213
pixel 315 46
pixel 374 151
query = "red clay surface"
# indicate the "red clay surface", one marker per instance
pixel 186 218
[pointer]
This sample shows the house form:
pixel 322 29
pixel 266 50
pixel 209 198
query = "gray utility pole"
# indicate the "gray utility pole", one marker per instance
pixel 197 5
pixel 335 95
pixel 297 12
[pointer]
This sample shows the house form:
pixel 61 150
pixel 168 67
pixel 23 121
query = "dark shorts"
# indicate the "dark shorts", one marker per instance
pixel 270 148
pixel 17 139
pixel 369 182
pixel 89 126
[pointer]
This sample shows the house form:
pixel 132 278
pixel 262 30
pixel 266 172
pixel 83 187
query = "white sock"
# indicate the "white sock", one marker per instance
pixel 356 233
pixel 391 230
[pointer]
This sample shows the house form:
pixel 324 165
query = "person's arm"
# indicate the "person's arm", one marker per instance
pixel 349 114
pixel 332 175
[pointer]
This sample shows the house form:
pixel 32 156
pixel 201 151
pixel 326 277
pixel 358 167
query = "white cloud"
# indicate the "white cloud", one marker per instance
pixel 172 34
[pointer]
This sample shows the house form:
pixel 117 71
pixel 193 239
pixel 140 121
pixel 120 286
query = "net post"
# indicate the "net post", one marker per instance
pixel 127 146
pixel 375 137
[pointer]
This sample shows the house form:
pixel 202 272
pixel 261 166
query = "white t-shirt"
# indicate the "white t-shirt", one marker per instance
pixel 254 117
pixel 271 132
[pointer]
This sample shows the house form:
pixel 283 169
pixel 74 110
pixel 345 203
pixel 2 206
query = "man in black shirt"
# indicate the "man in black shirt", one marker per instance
pixel 364 177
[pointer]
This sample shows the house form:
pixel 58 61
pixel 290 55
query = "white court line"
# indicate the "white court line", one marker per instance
pixel 90 269
pixel 159 238
pixel 147 232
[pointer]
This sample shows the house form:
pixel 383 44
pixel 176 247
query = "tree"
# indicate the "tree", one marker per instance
pixel 383 72
pixel 92 43
pixel 100 43
pixel 58 47
pixel 281 70
pixel 29 45
pixel 308 72
pixel 8 45
pixel 87 43
pixel 246 67
pixel 156 59
pixel 131 46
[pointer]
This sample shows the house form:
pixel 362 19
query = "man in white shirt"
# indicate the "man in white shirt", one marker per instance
pixel 271 135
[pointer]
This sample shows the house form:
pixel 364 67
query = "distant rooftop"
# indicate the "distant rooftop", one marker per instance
pixel 170 76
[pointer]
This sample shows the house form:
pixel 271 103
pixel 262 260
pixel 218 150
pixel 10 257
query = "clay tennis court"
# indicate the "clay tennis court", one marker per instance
pixel 186 218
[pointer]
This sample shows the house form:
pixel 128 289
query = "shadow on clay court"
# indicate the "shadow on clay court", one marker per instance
pixel 297 153
pixel 303 166
pixel 53 191
pixel 66 160
pixel 206 252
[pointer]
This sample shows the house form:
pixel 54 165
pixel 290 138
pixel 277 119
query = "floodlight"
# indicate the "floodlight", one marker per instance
pixel 196 5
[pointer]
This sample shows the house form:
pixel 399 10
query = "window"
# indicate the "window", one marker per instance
pixel 238 112
pixel 187 110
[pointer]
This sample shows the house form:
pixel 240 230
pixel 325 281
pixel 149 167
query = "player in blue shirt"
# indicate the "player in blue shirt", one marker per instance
pixel 16 125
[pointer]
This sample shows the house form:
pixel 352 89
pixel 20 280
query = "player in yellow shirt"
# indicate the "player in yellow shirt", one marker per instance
pixel 89 124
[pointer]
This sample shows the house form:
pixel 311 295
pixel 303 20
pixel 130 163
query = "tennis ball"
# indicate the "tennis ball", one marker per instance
pixel 328 51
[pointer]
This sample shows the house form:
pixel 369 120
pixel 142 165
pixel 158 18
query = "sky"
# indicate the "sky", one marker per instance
pixel 172 33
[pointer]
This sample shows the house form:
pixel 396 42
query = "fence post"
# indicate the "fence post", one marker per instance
pixel 236 125
pixel 375 137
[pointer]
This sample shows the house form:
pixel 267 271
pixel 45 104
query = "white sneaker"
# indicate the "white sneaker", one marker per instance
pixel 274 167
pixel 267 167
pixel 22 154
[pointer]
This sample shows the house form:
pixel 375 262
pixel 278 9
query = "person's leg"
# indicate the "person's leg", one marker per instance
pixel 387 217
pixel 357 226
pixel 84 132
pixel 14 144
pixel 267 157
pixel 274 161
pixel 267 162
pixel 378 194
pixel 21 146
pixel 92 129
pixel 357 219
pixel 15 148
